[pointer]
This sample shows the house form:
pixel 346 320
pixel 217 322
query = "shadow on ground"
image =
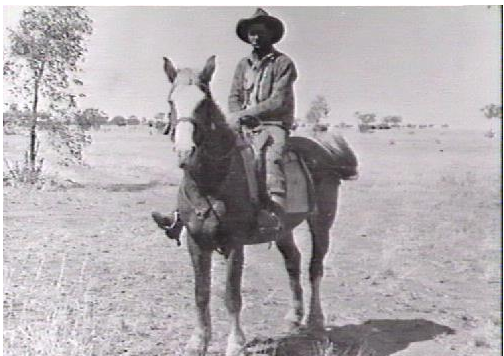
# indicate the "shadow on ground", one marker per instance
pixel 373 338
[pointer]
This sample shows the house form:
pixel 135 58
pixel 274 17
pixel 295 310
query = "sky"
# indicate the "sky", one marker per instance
pixel 427 64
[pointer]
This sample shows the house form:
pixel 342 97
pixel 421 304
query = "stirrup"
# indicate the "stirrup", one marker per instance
pixel 269 223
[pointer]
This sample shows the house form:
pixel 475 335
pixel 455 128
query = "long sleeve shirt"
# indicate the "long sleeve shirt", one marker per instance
pixel 264 88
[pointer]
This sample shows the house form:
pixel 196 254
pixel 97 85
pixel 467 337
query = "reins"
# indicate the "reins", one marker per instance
pixel 205 149
pixel 214 157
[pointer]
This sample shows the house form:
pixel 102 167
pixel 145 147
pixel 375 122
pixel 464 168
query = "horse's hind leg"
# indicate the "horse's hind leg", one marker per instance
pixel 292 259
pixel 320 224
pixel 236 339
pixel 202 263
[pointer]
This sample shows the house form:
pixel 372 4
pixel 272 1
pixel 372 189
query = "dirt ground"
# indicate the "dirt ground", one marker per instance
pixel 413 269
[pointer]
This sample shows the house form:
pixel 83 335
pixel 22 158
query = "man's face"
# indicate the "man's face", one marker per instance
pixel 259 36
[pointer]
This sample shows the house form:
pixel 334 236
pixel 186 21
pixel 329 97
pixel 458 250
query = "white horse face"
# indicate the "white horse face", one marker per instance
pixel 185 97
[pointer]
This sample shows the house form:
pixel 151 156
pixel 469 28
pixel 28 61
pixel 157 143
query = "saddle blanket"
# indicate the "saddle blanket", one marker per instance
pixel 297 185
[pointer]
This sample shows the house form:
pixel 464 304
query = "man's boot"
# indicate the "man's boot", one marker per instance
pixel 272 219
pixel 278 208
pixel 170 223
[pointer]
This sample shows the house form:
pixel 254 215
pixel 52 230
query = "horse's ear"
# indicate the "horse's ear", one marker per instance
pixel 169 69
pixel 206 73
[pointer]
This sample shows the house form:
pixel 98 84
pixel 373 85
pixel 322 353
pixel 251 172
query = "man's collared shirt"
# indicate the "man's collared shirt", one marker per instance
pixel 264 88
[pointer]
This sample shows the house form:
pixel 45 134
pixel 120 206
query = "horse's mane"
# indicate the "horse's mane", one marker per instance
pixel 215 112
pixel 215 115
pixel 212 163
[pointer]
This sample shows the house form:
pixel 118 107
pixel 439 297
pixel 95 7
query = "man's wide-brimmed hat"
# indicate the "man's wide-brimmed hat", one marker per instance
pixel 260 16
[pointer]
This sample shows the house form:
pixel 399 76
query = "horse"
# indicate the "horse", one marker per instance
pixel 218 214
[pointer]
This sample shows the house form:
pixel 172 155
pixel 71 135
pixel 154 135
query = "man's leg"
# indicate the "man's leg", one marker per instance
pixel 275 176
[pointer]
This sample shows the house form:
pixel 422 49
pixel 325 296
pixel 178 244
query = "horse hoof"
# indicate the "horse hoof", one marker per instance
pixel 293 319
pixel 236 345
pixel 196 346
pixel 194 351
pixel 190 352
pixel 235 350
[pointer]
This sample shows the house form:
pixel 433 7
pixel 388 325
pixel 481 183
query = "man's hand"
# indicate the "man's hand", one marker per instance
pixel 241 118
pixel 251 122
pixel 234 119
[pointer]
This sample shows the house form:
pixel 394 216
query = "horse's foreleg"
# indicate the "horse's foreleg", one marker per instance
pixel 320 224
pixel 236 339
pixel 292 258
pixel 202 263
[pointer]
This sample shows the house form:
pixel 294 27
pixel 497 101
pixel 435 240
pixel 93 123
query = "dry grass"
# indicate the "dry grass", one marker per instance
pixel 87 273
pixel 64 324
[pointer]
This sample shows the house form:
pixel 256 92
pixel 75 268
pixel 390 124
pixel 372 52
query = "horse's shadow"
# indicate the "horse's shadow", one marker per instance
pixel 381 337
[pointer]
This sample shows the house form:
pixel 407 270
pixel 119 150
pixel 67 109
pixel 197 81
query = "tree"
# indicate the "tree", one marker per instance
pixel 160 116
pixel 319 109
pixel 133 120
pixel 118 120
pixel 43 59
pixel 90 117
pixel 392 119
pixel 492 111
pixel 366 119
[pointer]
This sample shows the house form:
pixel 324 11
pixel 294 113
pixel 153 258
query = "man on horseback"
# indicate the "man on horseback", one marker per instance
pixel 261 101
pixel 261 106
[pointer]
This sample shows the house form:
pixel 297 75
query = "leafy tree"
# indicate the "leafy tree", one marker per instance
pixel 392 119
pixel 160 126
pixel 492 111
pixel 90 117
pixel 365 118
pixel 160 116
pixel 133 120
pixel 319 109
pixel 43 57
pixel 69 141
pixel 118 120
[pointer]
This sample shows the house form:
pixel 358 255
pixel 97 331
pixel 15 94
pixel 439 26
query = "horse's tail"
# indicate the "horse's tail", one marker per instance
pixel 329 155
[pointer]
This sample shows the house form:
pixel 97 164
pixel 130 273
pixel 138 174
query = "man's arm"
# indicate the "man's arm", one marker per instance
pixel 236 96
pixel 281 100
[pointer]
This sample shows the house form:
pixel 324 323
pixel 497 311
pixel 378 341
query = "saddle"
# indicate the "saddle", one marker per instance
pixel 304 159
pixel 299 182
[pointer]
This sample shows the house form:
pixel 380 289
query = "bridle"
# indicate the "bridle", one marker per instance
pixel 204 146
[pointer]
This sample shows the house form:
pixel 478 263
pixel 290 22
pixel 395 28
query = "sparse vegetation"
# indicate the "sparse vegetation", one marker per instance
pixel 90 118
pixel 23 172
pixel 136 293
pixel 365 119
pixel 42 60
pixel 119 121
pixel 392 120
pixel 319 109
pixel 491 112
pixel 69 142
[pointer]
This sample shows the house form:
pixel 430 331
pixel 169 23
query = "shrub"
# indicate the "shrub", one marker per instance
pixel 23 172
pixel 69 142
